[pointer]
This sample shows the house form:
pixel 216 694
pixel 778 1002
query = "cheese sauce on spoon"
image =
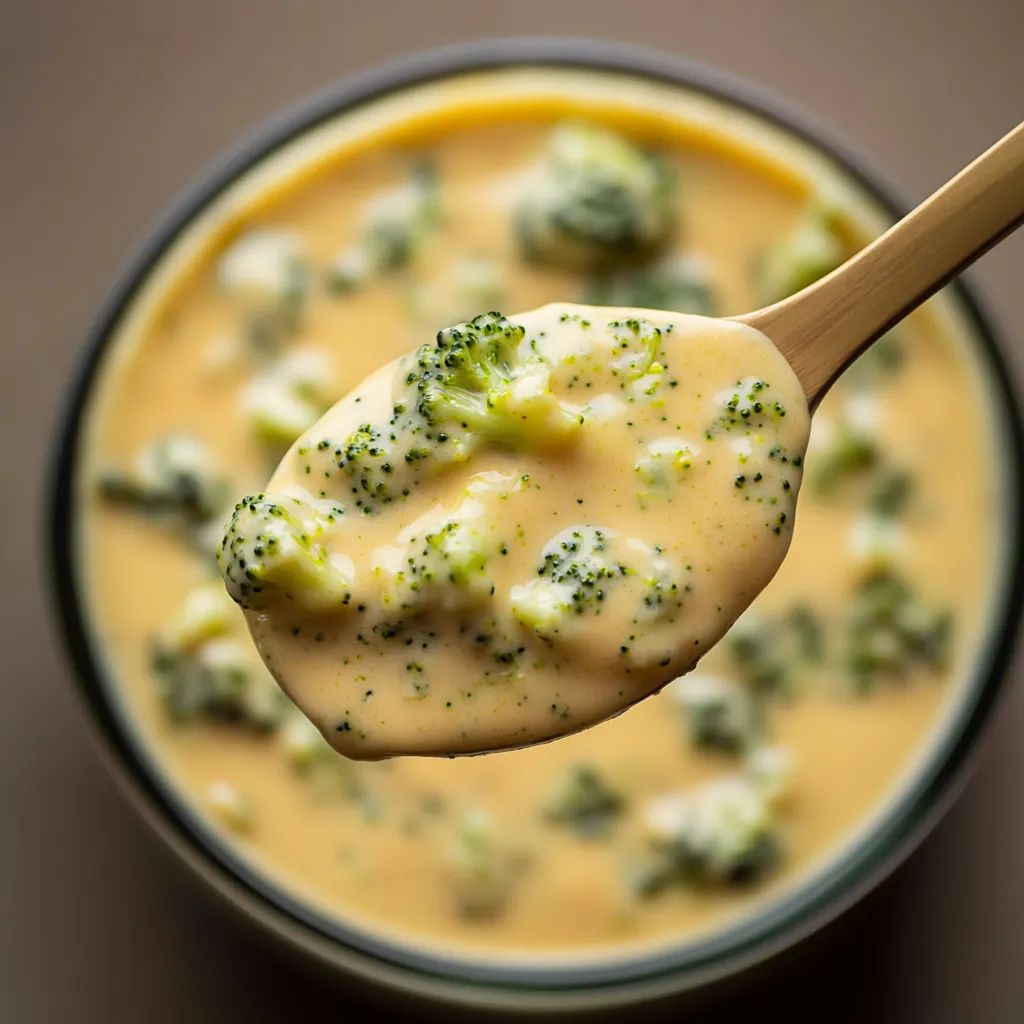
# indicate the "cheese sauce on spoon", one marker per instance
pixel 522 529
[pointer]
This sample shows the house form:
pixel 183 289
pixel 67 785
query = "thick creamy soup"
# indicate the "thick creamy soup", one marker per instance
pixel 522 528
pixel 694 806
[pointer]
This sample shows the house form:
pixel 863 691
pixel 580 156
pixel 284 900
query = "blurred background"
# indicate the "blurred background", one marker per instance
pixel 107 109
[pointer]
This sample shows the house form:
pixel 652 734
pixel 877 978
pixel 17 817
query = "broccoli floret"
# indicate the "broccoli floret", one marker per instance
pixel 395 228
pixel 584 803
pixel 880 361
pixel 173 479
pixel 219 680
pixel 770 770
pixel 597 200
pixel 578 566
pixel 475 385
pixel 477 377
pixel 722 832
pixel 850 453
pixel 718 713
pixel 482 869
pixel 681 284
pixel 288 397
pixel 667 462
pixel 891 492
pixel 265 273
pixel 231 808
pixel 769 650
pixel 749 405
pixel 812 249
pixel 208 612
pixel 272 552
pixel 890 632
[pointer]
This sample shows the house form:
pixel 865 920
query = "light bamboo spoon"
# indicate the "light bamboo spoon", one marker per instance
pixel 823 328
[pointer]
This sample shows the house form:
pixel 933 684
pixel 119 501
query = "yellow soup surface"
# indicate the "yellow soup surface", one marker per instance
pixel 695 805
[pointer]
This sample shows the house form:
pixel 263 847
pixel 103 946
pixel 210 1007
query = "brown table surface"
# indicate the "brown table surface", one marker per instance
pixel 107 108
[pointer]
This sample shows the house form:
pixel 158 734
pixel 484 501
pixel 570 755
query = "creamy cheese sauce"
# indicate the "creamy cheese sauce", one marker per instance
pixel 505 597
pixel 845 664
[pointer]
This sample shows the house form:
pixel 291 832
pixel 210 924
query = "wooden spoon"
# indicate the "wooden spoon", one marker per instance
pixel 823 328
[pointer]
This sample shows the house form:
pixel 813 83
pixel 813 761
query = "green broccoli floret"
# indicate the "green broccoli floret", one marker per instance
pixel 724 832
pixel 396 226
pixel 890 632
pixel 812 249
pixel 477 377
pixel 482 869
pixel 173 479
pixel 220 679
pixel 584 803
pixel 718 713
pixel 891 492
pixel 681 284
pixel 749 405
pixel 597 201
pixel 850 453
pixel 265 273
pixel 288 397
pixel 770 650
pixel 477 384
pixel 272 553
pixel 578 567
pixel 880 361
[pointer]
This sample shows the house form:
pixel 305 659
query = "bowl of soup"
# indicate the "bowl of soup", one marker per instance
pixel 706 828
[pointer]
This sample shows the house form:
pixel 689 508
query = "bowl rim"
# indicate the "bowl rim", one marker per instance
pixel 807 907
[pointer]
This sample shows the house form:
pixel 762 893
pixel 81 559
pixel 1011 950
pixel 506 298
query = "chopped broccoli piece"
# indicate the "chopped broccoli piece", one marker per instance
pixel 288 397
pixel 667 462
pixel 207 613
pixel 808 252
pixel 681 284
pixel 748 405
pixel 881 360
pixel 578 558
pixel 478 376
pixel 768 651
pixel 230 807
pixel 850 453
pixel 584 803
pixel 770 769
pixel 395 227
pixel 265 272
pixel 482 869
pixel 173 479
pixel 719 714
pixel 218 680
pixel 263 265
pixel 542 605
pixel 722 832
pixel 808 633
pixel 892 491
pixel 272 552
pixel 332 775
pixel 578 566
pixel 875 543
pixel 442 562
pixel 476 385
pixel 890 632
pixel 597 200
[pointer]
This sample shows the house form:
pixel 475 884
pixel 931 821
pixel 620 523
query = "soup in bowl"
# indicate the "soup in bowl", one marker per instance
pixel 747 800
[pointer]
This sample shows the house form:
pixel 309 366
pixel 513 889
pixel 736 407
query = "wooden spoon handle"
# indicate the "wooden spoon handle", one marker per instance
pixel 823 328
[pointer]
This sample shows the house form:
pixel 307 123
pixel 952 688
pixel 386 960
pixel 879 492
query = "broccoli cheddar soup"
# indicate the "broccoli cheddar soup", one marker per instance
pixel 348 249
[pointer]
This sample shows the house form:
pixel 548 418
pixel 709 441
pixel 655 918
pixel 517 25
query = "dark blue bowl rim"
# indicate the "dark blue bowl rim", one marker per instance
pixel 861 865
